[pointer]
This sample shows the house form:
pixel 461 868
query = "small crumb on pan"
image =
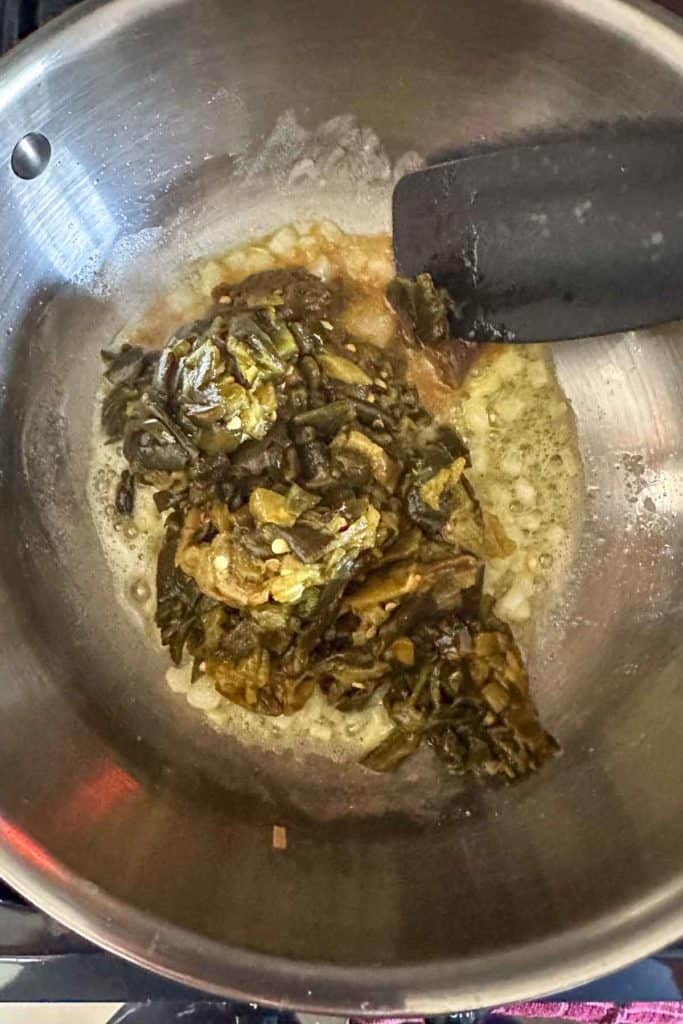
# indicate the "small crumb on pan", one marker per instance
pixel 279 837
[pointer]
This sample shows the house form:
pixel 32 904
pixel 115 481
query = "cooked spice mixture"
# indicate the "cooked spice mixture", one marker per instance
pixel 330 542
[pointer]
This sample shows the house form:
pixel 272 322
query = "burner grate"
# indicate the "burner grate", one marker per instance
pixel 20 17
pixel 10 897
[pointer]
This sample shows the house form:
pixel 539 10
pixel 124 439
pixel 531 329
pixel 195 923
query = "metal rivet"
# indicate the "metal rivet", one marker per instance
pixel 31 155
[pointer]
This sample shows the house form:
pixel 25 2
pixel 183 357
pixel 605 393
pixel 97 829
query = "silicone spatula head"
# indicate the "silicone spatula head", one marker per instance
pixel 565 238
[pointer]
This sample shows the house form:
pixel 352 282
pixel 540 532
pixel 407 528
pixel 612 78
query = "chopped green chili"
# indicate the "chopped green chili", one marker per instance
pixel 320 527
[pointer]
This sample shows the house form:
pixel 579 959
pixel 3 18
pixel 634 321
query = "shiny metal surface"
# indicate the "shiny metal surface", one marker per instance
pixel 31 155
pixel 121 813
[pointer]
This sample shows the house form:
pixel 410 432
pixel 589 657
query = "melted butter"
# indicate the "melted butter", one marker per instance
pixel 526 469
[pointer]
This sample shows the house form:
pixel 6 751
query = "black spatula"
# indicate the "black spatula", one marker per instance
pixel 566 238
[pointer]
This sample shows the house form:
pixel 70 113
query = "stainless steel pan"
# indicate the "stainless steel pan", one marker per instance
pixel 121 812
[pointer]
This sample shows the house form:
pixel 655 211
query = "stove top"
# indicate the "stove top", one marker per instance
pixel 41 961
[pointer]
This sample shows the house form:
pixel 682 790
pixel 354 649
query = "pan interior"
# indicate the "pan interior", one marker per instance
pixel 179 129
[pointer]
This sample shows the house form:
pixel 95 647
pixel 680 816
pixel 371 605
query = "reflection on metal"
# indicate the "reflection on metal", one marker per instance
pixel 31 155
pixel 66 217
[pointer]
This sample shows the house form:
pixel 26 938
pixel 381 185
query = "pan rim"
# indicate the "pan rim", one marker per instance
pixel 571 958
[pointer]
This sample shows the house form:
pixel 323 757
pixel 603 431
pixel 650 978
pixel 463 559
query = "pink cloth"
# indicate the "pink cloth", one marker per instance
pixel 584 1013
pixel 600 1013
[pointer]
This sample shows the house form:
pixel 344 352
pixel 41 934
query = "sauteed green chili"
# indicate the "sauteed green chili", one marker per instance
pixel 320 526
